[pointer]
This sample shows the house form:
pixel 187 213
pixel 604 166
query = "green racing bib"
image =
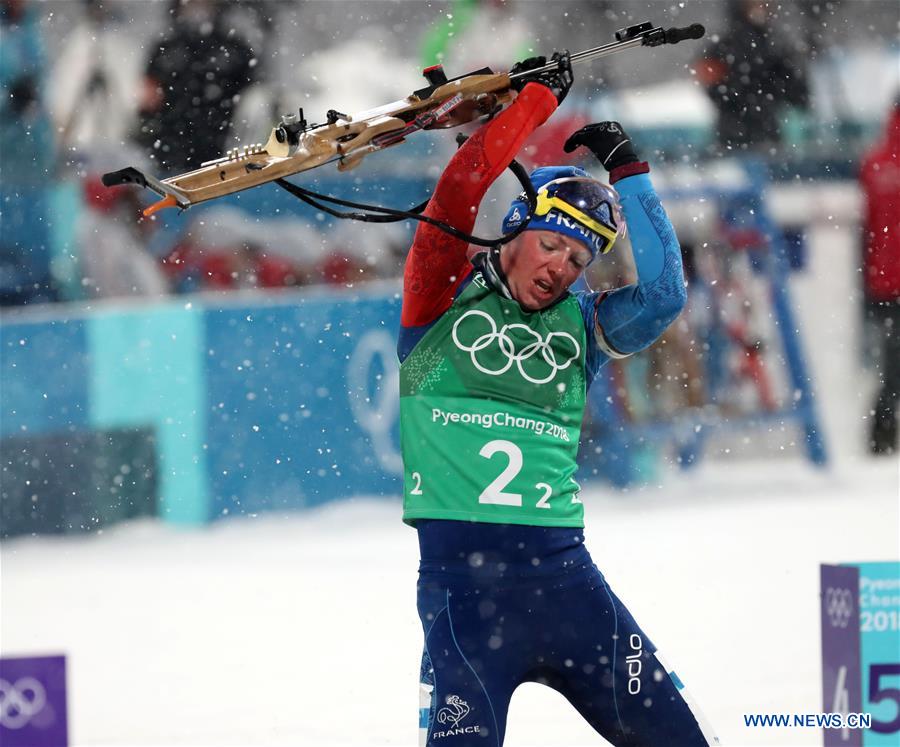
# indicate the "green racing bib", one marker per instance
pixel 491 405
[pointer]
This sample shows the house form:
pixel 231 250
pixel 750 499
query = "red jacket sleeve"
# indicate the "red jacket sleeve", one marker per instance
pixel 437 262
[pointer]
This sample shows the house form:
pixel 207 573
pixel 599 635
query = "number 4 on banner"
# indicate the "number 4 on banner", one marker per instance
pixel 841 702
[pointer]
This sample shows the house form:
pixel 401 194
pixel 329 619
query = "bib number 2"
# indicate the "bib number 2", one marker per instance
pixel 495 493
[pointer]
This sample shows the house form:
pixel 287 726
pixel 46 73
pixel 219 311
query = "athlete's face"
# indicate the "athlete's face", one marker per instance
pixel 541 265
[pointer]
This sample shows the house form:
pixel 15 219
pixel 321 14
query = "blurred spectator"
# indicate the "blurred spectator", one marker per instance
pixel 28 157
pixel 193 81
pixel 751 75
pixel 468 32
pixel 222 252
pixel 339 268
pixel 352 253
pixel 247 265
pixel 95 81
pixel 112 243
pixel 880 182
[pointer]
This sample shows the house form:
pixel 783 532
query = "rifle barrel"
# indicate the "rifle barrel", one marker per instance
pixel 605 50
pixel 659 36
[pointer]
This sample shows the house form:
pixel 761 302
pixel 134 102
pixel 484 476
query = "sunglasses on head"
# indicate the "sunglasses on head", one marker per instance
pixel 590 203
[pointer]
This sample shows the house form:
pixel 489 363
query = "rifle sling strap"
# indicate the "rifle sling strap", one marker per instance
pixel 379 214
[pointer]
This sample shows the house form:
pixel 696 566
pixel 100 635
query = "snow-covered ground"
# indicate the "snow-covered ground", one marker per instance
pixel 302 629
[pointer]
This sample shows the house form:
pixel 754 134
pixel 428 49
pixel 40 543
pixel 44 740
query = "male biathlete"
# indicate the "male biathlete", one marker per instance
pixel 496 356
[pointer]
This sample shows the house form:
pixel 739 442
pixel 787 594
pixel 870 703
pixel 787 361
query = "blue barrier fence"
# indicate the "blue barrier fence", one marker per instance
pixel 253 405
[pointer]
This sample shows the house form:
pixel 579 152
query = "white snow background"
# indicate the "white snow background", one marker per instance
pixel 302 629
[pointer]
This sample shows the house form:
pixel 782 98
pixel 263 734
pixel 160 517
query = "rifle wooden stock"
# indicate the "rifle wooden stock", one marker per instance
pixel 348 139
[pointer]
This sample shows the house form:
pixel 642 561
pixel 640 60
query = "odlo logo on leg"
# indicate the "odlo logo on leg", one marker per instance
pixel 633 662
pixel 450 715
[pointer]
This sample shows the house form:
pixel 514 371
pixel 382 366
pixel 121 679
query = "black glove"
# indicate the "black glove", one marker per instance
pixel 559 81
pixel 606 140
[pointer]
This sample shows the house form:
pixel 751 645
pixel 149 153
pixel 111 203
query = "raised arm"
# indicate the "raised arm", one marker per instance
pixel 631 318
pixel 437 262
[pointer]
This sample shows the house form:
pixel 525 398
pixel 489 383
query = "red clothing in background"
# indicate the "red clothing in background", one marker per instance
pixel 880 181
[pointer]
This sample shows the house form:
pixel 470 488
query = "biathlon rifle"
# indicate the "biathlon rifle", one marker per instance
pixel 295 146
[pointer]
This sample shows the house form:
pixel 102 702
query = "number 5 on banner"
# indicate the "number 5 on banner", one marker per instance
pixel 877 694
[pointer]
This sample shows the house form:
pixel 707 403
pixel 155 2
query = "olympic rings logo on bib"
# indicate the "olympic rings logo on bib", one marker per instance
pixel 537 350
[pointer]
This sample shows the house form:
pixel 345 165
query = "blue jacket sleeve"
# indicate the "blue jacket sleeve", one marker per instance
pixel 631 318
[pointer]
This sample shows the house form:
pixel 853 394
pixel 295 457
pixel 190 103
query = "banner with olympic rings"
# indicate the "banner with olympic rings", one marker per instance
pixel 33 702
pixel 860 610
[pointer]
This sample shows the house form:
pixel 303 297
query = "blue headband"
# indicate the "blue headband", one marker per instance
pixel 554 220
